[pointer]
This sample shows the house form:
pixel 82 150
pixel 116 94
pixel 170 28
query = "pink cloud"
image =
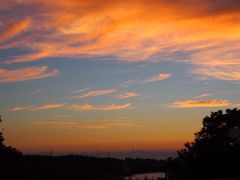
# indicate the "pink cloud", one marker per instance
pixel 96 93
pixel 128 95
pixel 158 77
pixel 37 108
pixel 14 29
pixel 88 107
pixel 26 74
pixel 202 96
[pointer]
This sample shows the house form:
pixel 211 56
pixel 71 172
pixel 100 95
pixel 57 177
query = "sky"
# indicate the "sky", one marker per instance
pixel 115 75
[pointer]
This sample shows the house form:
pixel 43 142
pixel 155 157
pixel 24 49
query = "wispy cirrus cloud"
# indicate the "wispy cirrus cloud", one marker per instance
pixel 80 107
pixel 14 29
pixel 95 28
pixel 111 124
pixel 57 123
pixel 89 107
pixel 29 57
pixel 202 96
pixel 155 78
pixel 34 92
pixel 158 77
pixel 200 103
pixel 37 108
pixel 24 74
pixel 80 90
pixel 128 95
pixel 222 72
pixel 95 93
pixel 129 82
pixel 101 124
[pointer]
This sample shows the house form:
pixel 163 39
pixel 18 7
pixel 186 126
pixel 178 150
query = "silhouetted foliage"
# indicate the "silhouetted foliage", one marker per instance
pixel 7 151
pixel 215 150
pixel 1 135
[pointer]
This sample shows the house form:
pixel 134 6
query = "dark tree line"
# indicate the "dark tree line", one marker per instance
pixel 215 151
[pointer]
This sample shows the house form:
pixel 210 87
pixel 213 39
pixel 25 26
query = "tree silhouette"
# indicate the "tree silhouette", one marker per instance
pixel 1 135
pixel 215 149
pixel 7 151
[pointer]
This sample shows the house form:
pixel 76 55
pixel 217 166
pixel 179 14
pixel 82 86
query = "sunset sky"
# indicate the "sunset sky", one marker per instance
pixel 115 75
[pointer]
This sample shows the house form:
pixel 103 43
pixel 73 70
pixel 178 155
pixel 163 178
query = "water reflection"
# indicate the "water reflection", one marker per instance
pixel 148 176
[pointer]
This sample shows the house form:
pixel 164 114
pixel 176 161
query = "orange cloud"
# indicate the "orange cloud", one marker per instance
pixel 89 107
pixel 96 93
pixel 30 57
pixel 20 108
pixel 36 108
pixel 159 77
pixel 26 74
pixel 203 103
pixel 82 107
pixel 208 32
pixel 236 105
pixel 57 123
pixel 14 29
pixel 101 124
pixel 110 124
pixel 48 106
pixel 128 95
